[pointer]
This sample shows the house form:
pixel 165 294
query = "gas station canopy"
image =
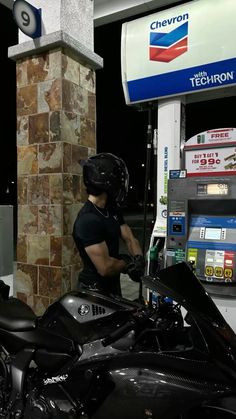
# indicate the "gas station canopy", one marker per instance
pixel 106 11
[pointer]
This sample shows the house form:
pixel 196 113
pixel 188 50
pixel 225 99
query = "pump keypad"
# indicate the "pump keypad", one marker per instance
pixel 228 273
pixel 209 271
pixel 219 272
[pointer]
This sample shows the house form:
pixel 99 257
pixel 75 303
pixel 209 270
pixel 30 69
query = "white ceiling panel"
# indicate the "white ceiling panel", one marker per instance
pixel 106 11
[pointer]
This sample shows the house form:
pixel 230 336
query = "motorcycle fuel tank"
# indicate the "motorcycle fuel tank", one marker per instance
pixel 87 316
pixel 88 306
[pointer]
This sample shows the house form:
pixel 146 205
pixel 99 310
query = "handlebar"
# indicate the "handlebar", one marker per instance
pixel 119 333
pixel 133 324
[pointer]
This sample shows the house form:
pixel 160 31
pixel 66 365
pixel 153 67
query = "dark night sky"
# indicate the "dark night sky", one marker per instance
pixel 8 36
pixel 121 129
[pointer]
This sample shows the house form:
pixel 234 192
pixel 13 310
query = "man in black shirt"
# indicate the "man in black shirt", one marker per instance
pixel 100 225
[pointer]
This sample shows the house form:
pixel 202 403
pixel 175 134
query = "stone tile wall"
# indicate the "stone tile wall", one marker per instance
pixel 56 119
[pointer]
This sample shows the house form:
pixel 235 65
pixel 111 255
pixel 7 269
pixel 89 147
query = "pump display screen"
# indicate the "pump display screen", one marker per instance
pixel 212 189
pixel 217 189
pixel 177 228
pixel 213 233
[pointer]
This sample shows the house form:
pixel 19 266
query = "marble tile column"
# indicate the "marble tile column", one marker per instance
pixel 56 127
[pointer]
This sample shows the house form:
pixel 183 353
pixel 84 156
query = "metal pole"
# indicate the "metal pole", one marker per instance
pixel 147 178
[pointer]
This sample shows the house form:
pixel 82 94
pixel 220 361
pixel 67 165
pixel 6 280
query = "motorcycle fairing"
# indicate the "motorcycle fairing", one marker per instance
pixel 163 395
pixel 179 282
pixel 134 383
pixel 224 404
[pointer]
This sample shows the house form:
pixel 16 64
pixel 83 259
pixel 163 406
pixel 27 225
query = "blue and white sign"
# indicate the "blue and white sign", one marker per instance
pixel 181 50
pixel 28 18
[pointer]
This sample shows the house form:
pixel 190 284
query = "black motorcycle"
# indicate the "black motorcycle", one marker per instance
pixel 91 356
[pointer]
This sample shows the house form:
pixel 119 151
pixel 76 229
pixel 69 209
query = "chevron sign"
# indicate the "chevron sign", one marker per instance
pixel 166 46
pixel 179 51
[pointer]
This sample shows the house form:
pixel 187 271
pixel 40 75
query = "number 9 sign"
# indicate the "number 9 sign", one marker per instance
pixel 28 18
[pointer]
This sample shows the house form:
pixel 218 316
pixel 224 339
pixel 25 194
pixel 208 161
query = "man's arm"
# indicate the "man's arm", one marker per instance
pixel 136 268
pixel 105 265
pixel 130 240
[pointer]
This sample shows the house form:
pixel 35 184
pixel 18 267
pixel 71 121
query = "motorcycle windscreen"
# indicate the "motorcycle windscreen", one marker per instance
pixel 179 282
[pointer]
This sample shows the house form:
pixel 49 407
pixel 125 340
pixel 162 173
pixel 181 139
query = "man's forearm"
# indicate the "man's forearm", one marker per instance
pixel 112 267
pixel 134 247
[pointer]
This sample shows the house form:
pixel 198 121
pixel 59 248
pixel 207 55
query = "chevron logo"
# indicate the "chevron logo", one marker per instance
pixel 165 47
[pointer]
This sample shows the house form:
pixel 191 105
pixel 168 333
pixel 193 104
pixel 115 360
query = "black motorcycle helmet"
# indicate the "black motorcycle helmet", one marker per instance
pixel 105 172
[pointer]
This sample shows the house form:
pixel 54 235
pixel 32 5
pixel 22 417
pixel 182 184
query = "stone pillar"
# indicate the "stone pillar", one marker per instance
pixel 56 127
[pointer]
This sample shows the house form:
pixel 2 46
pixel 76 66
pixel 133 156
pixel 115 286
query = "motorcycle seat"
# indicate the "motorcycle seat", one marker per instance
pixel 15 315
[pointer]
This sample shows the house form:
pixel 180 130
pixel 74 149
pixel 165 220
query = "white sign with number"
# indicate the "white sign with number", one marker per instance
pixel 28 18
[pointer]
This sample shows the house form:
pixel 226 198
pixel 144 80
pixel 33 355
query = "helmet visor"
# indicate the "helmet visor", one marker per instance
pixel 122 192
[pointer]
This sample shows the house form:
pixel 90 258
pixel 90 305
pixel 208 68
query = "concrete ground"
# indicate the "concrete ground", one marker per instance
pixel 130 289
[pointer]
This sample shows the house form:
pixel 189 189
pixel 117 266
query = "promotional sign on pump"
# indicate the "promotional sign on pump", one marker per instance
pixel 212 152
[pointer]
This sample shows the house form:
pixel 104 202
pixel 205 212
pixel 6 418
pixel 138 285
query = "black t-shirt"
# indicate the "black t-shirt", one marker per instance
pixel 94 225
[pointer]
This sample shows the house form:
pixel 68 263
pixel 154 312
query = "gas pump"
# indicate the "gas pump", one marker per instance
pixel 201 215
pixel 202 229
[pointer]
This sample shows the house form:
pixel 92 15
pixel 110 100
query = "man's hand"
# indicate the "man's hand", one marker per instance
pixel 134 267
pixel 127 259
